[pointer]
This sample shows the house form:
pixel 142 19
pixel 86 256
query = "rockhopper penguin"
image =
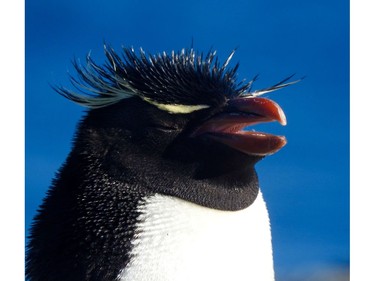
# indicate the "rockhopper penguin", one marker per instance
pixel 160 183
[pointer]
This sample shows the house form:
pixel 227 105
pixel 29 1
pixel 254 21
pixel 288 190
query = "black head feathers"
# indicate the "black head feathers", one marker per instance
pixel 179 82
pixel 182 78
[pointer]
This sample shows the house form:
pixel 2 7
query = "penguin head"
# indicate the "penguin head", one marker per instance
pixel 175 116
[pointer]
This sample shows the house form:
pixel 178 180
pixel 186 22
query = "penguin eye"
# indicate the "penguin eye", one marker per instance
pixel 177 108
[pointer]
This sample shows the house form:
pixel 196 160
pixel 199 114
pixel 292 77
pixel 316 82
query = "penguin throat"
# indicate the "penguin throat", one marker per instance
pixel 231 191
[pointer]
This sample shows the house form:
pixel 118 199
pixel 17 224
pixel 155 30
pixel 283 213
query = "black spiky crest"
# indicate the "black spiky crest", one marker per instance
pixel 178 78
pixel 183 78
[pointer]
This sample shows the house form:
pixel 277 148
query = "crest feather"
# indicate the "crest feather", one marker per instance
pixel 180 81
pixel 173 78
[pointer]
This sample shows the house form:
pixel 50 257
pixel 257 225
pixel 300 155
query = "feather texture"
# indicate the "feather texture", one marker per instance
pixel 173 78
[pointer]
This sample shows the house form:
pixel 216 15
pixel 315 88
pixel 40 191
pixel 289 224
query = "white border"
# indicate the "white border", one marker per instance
pixel 362 141
pixel 12 22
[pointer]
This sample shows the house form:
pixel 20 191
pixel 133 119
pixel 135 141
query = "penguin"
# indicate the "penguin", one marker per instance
pixel 160 183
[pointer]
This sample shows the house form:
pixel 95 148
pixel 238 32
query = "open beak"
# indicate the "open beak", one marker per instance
pixel 227 127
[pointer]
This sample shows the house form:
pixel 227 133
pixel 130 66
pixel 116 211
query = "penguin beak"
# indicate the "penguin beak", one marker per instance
pixel 227 127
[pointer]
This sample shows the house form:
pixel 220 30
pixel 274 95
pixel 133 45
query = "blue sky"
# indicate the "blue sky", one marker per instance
pixel 306 184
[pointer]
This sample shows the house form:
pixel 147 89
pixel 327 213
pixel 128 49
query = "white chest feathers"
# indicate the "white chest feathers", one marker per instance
pixel 180 241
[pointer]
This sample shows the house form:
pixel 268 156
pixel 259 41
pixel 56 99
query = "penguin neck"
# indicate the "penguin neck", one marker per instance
pixel 232 191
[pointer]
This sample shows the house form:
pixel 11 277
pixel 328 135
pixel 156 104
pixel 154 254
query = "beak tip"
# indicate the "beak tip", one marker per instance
pixel 281 117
